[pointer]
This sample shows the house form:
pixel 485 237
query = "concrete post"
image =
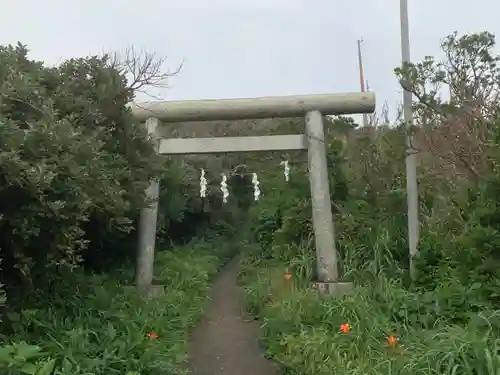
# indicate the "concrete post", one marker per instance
pixel 411 152
pixel 147 225
pixel 326 252
pixel 255 108
pixel 320 198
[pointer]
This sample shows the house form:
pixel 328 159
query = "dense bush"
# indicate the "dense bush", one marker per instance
pixel 74 165
pixel 73 160
pixel 446 321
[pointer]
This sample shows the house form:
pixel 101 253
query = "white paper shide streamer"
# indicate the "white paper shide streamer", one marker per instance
pixel 203 184
pixel 223 188
pixel 286 170
pixel 256 189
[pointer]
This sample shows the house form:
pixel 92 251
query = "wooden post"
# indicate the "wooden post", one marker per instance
pixel 147 225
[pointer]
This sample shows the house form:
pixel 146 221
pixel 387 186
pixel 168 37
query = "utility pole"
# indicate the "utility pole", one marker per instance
pixel 411 155
pixel 362 78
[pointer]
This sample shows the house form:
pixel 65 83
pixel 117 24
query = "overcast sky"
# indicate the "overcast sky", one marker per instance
pixel 246 48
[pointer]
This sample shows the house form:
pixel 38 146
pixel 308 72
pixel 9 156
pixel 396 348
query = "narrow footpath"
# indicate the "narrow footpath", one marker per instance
pixel 225 343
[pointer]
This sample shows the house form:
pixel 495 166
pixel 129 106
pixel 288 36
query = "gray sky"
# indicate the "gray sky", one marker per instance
pixel 246 48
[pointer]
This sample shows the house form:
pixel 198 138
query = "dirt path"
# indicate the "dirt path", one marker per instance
pixel 224 343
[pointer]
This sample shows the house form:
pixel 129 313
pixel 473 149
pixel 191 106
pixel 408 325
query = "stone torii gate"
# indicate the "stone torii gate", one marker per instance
pixel 313 107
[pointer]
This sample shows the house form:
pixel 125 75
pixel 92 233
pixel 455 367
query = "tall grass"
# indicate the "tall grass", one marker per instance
pixel 302 331
pixel 98 325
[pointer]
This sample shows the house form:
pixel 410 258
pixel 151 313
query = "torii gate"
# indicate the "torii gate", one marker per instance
pixel 313 107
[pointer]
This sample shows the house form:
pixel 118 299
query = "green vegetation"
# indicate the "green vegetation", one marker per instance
pixel 447 322
pixel 104 327
pixel 74 166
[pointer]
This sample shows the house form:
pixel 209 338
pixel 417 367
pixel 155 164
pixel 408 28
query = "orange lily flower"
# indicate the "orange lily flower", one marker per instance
pixel 392 340
pixel 153 335
pixel 345 328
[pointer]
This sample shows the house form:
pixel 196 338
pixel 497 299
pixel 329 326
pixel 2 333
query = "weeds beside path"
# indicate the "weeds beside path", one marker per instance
pixel 379 329
pixel 93 325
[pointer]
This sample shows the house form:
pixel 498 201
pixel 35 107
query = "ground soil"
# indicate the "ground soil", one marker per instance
pixel 226 342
